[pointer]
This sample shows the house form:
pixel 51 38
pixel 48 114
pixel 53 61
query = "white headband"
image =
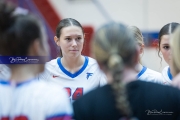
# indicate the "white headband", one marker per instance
pixel 19 11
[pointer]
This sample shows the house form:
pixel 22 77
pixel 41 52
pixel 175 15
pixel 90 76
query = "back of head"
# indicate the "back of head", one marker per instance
pixel 114 48
pixel 137 34
pixel 114 39
pixel 175 43
pixel 17 31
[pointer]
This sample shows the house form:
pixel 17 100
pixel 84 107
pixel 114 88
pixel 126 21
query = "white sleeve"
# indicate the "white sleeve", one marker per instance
pixel 44 75
pixel 5 72
pixel 103 79
pixel 60 106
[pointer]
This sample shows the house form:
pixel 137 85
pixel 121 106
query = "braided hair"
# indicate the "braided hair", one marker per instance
pixel 114 47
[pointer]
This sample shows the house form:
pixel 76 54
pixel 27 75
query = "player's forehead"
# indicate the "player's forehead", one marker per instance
pixel 71 31
pixel 165 39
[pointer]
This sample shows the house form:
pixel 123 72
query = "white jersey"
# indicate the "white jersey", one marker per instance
pixel 79 83
pixel 33 100
pixel 167 76
pixel 149 75
pixel 4 72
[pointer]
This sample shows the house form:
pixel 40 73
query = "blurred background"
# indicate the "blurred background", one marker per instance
pixel 148 15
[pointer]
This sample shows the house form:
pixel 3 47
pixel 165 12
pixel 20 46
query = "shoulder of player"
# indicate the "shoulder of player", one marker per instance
pixel 154 75
pixel 4 84
pixel 164 73
pixel 51 64
pixel 165 69
pixel 150 85
pixel 56 97
pixel 150 71
pixel 48 86
pixel 47 90
pixel 91 61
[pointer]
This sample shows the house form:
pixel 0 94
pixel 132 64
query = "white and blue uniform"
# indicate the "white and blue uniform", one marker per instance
pixel 79 83
pixel 167 76
pixel 149 75
pixel 4 72
pixel 33 100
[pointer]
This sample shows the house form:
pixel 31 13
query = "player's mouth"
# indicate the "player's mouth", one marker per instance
pixel 74 50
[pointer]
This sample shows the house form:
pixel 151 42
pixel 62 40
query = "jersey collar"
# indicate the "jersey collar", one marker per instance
pixel 76 73
pixel 142 71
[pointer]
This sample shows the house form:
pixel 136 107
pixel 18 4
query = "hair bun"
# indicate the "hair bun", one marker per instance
pixel 6 10
pixel 20 11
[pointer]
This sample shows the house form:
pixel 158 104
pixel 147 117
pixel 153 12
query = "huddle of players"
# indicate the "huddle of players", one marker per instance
pixel 27 96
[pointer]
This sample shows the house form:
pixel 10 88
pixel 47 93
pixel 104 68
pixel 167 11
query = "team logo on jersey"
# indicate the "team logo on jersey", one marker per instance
pixel 164 82
pixel 88 75
pixel 55 76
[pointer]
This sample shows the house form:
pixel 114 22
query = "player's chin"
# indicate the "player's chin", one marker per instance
pixel 74 55
pixel 74 51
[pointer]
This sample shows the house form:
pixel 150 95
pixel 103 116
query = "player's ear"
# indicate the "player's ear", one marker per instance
pixel 141 48
pixel 136 56
pixel 35 48
pixel 56 40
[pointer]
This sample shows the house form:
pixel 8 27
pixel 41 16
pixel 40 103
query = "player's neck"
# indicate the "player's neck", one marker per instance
pixel 73 65
pixel 129 75
pixel 22 73
pixel 139 67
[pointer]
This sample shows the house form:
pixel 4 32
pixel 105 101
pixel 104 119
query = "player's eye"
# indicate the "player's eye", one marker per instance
pixel 68 39
pixel 79 38
pixel 166 47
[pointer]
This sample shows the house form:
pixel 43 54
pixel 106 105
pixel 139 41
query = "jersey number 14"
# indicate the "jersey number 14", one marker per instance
pixel 77 93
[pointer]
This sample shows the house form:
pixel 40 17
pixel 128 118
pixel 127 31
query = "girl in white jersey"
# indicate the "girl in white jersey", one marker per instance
pixel 77 73
pixel 144 73
pixel 164 48
pixel 23 96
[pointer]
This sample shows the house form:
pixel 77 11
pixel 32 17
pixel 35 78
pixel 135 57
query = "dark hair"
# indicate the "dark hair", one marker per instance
pixel 17 32
pixel 166 30
pixel 114 48
pixel 65 23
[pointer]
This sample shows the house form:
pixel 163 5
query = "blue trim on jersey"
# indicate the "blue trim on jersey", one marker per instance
pixel 76 73
pixel 59 116
pixel 17 84
pixel 4 82
pixel 25 82
pixel 142 71
pixel 169 74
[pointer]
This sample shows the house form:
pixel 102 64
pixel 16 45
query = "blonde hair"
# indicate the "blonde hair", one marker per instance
pixel 175 46
pixel 138 37
pixel 137 34
pixel 114 47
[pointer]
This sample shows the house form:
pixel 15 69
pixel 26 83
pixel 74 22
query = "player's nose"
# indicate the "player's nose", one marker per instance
pixel 74 43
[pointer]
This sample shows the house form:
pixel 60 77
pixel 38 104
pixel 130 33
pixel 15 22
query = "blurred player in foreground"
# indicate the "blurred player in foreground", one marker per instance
pixel 23 96
pixel 175 62
pixel 126 98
